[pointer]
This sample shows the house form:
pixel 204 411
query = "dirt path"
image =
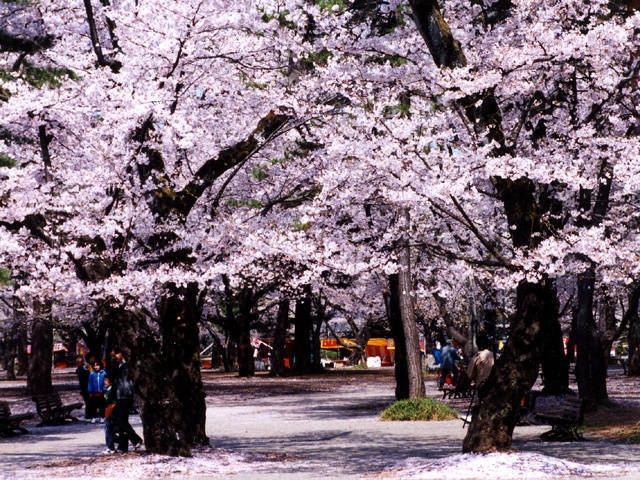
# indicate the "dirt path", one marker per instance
pixel 315 427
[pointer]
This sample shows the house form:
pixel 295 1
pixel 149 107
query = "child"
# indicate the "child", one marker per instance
pixel 95 388
pixel 109 424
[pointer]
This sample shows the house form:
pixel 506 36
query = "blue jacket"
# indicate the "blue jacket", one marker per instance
pixel 450 358
pixel 96 382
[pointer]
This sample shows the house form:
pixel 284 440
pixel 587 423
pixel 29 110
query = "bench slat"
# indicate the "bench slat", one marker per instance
pixel 565 414
pixel 51 409
pixel 10 424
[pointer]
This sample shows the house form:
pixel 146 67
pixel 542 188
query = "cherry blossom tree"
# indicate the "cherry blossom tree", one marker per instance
pixel 152 149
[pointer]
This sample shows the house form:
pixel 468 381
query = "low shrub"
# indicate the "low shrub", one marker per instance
pixel 419 409
pixel 630 436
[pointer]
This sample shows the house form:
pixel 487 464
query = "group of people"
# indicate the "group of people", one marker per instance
pixel 451 358
pixel 108 398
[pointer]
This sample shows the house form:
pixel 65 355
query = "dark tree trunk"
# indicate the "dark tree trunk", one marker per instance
pixel 94 336
pixel 40 359
pixel 246 366
pixel 16 350
pixel 409 325
pixel 571 342
pixel 555 365
pixel 515 371
pixel 589 365
pixel 279 339
pixel 444 49
pixel 167 377
pixel 634 333
pixel 392 301
pixel 23 357
pixel 490 329
pixel 608 332
pixel 303 324
pixel 317 320
pixel 230 351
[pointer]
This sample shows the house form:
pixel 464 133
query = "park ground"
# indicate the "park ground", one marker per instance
pixel 324 427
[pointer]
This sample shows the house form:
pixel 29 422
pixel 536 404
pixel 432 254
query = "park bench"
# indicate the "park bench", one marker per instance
pixel 10 424
pixel 52 411
pixel 565 414
pixel 462 389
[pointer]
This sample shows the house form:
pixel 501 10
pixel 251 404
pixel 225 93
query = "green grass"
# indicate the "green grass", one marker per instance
pixel 5 276
pixel 418 409
pixel 7 161
pixel 630 436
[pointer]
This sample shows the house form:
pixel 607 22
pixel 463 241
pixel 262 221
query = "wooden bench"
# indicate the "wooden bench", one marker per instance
pixel 462 389
pixel 52 411
pixel 565 414
pixel 10 424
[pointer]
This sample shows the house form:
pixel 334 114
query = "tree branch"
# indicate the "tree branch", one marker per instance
pixel 488 245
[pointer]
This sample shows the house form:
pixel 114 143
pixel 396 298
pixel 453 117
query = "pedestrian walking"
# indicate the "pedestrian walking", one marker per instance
pixel 95 389
pixel 109 418
pixel 83 371
pixel 124 401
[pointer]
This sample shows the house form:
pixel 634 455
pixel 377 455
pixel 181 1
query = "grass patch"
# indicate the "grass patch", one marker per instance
pixel 629 436
pixel 7 161
pixel 419 409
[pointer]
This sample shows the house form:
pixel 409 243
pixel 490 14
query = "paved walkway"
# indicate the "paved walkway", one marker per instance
pixel 314 435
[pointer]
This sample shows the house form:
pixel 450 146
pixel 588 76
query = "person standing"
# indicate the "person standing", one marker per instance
pixel 124 401
pixel 480 366
pixel 95 388
pixel 109 421
pixel 83 371
pixel 449 364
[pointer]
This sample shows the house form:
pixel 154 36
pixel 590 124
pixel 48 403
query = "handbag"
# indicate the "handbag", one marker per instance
pixel 109 410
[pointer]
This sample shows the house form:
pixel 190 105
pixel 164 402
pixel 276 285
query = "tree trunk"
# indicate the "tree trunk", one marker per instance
pixel 94 336
pixel 515 371
pixel 167 377
pixel 392 301
pixel 246 365
pixel 279 339
pixel 607 333
pixel 23 357
pixel 409 325
pixel 555 364
pixel 230 351
pixel 588 362
pixel 41 357
pixel 634 334
pixel 302 321
pixel 316 326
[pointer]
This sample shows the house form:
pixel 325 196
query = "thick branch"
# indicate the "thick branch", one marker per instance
pixel 445 50
pixel 11 43
pixel 45 140
pixel 35 223
pixel 452 332
pixel 166 201
pixel 93 33
pixel 488 245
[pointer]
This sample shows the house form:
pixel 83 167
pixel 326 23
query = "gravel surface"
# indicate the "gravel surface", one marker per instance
pixel 304 427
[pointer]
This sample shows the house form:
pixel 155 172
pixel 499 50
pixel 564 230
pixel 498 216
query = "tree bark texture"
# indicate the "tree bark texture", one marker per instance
pixel 590 368
pixel 166 375
pixel 444 49
pixel 303 325
pixel 39 374
pixel 279 339
pixel 409 324
pixel 397 332
pixel 514 373
pixel 246 366
pixel 634 334
pixel 555 364
pixel 633 320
